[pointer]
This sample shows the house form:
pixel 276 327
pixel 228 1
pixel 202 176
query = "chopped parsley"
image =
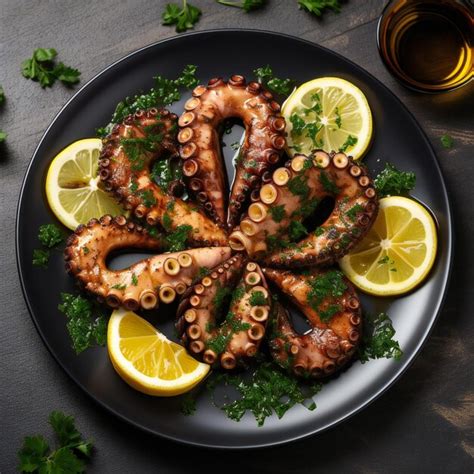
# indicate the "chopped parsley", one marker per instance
pixel 353 211
pixel 257 298
pixel 184 16
pixel 2 96
pixel 296 231
pixel 384 260
pixel 134 279
pixel 338 118
pixel 147 197
pixel 268 390
pixel 245 5
pixel 377 341
pixel 317 7
pixel 235 146
pixel 119 286
pixel 447 141
pixel 70 456
pixel 328 185
pixel 322 287
pixel 231 326
pixel 42 68
pixel 177 239
pixel 85 250
pixel 40 258
pixel 319 231
pixel 278 213
pixel 391 181
pixel 298 124
pixel 298 186
pixel 165 92
pixel 279 86
pixel 50 235
pixel 188 404
pixel 350 141
pixel 86 321
pixel 164 173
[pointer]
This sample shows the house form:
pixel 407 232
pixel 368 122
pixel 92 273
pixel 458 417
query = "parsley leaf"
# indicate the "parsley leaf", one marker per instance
pixel 50 235
pixel 177 240
pixel 392 182
pixel 279 86
pixel 70 456
pixel 2 96
pixel 296 231
pixel 317 7
pixel 350 141
pixel 246 5
pixel 377 341
pixel 3 136
pixel 86 321
pixel 184 17
pixel 40 258
pixel 447 141
pixel 278 213
pixel 257 298
pixel 41 67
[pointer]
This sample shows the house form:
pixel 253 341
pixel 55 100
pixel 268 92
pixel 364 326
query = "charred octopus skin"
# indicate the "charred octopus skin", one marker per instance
pixel 335 318
pixel 291 195
pixel 200 147
pixel 238 336
pixel 124 168
pixel 145 283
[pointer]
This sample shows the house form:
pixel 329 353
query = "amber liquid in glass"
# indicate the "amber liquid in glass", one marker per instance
pixel 428 44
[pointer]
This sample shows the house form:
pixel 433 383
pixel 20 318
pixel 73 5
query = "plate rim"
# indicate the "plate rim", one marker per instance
pixel 373 397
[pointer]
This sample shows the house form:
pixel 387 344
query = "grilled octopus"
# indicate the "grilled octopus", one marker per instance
pixel 235 339
pixel 291 195
pixel 200 145
pixel 144 284
pixel 335 318
pixel 124 168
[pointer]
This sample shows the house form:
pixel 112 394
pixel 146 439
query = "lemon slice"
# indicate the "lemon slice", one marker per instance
pixel 73 188
pixel 398 251
pixel 147 360
pixel 328 113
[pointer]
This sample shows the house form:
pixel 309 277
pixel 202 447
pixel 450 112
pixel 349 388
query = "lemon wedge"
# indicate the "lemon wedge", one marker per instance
pixel 398 251
pixel 147 360
pixel 328 113
pixel 73 188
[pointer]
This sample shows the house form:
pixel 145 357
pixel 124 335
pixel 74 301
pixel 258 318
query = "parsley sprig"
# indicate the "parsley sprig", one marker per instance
pixel 447 141
pixel 42 68
pixel 317 7
pixel 378 341
pixel 71 454
pixel 266 77
pixel 245 5
pixel 87 322
pixel 184 16
pixel 50 235
pixel 393 182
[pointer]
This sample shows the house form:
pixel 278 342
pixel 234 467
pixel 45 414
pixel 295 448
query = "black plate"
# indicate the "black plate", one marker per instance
pixel 398 139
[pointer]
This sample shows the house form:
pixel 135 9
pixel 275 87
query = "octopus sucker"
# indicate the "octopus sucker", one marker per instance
pixel 292 195
pixel 125 169
pixel 335 319
pixel 230 341
pixel 143 284
pixel 200 149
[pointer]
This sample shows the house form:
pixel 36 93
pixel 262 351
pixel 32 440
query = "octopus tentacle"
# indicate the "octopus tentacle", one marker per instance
pixel 200 145
pixel 124 168
pixel 241 333
pixel 144 283
pixel 329 344
pixel 292 195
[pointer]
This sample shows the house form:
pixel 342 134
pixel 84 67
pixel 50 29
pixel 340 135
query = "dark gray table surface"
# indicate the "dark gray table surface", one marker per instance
pixel 422 424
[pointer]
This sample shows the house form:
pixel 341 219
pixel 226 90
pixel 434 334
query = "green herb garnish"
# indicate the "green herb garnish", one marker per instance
pixel 50 235
pixel 298 186
pixel 278 213
pixel 317 7
pixel 447 141
pixel 353 211
pixel 350 141
pixel 378 341
pixel 2 96
pixel 246 5
pixel 257 298
pixel 328 185
pixel 87 322
pixel 70 456
pixel 177 239
pixel 279 86
pixel 147 197
pixel 318 231
pixel 298 124
pixel 188 404
pixel 183 16
pixel 296 231
pixel 40 257
pixel 41 67
pixel 384 260
pixel 391 181
pixel 338 118
pixel 267 390
pixel 134 279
